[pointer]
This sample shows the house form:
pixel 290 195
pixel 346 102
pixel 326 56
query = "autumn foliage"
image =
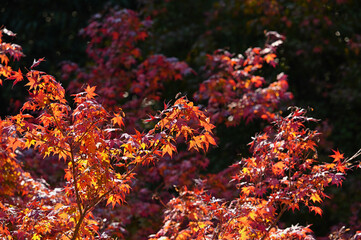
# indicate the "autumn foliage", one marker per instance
pixel 236 92
pixel 127 154
pixel 118 65
pixel 282 174
pixel 100 157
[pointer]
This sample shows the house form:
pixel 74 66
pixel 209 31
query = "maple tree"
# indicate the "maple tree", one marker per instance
pixel 126 77
pixel 100 157
pixel 235 92
pixel 282 173
pixel 117 65
pixel 319 56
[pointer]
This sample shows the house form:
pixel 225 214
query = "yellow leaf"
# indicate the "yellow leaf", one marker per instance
pixel 315 197
pixel 36 237
pixel 64 216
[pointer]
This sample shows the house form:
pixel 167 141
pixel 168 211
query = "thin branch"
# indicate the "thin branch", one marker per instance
pixel 85 132
pixel 78 199
pixel 358 153
pixel 283 209
pixel 56 121
pixel 77 227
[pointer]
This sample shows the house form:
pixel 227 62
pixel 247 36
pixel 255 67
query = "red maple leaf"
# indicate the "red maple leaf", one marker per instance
pixel 337 156
pixel 37 62
pixel 17 76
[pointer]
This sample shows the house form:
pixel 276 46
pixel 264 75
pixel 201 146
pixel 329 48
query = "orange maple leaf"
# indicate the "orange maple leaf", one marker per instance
pixel 247 190
pixel 33 81
pixel 90 92
pixel 317 210
pixel 169 148
pixel 113 199
pixel 270 57
pixel 279 168
pixel 117 119
pixel 210 139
